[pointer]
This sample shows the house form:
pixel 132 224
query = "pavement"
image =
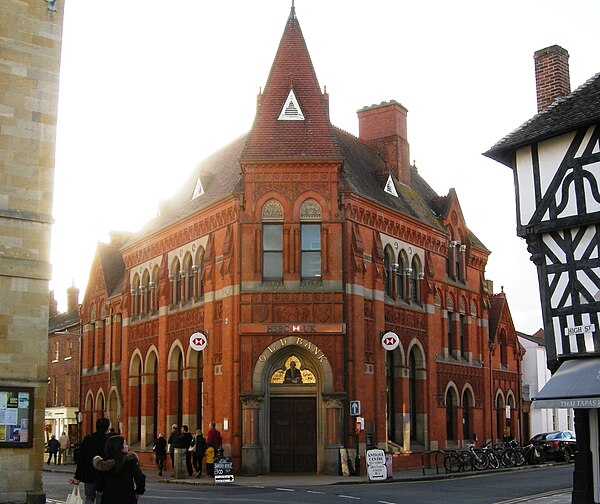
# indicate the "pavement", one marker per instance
pixel 291 480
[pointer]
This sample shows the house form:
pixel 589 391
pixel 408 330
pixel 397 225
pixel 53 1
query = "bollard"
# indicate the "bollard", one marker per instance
pixel 180 468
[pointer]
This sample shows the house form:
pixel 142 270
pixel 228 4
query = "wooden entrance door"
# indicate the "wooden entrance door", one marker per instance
pixel 293 434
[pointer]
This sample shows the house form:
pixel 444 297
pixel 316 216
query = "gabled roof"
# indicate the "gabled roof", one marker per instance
pixel 112 267
pixel 219 175
pixel 499 312
pixel 578 109
pixel 363 171
pixel 274 139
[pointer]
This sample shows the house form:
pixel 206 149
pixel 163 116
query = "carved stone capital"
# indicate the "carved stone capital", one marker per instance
pixel 251 401
pixel 335 400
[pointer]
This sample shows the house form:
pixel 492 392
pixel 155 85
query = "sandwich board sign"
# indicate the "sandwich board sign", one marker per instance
pixel 224 470
pixel 376 468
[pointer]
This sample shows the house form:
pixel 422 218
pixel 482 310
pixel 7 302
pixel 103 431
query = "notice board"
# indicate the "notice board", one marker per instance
pixel 16 417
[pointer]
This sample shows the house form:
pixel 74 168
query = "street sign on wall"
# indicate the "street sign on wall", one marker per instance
pixel 354 408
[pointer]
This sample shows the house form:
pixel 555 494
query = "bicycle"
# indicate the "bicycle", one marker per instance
pixel 475 458
pixel 452 461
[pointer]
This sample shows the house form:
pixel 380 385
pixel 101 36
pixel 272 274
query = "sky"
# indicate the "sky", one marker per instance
pixel 149 88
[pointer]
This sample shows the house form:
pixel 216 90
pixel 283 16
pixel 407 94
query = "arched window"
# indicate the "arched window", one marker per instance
pixel 272 241
pixel 135 399
pixel 135 295
pixel 503 340
pixel 310 238
pixel 154 290
pixel 467 403
pixel 176 278
pixel 500 416
pixel 388 268
pixel 415 275
pixel 187 277
pixel 451 415
pixel 145 308
pixel 390 395
pixel 180 389
pixel 199 276
pixel 402 262
pixel 152 399
pixel 199 387
pixel 412 394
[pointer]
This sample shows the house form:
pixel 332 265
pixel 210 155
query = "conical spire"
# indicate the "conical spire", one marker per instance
pixel 291 120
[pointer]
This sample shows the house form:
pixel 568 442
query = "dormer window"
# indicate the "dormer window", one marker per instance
pixel 390 186
pixel 291 110
pixel 198 189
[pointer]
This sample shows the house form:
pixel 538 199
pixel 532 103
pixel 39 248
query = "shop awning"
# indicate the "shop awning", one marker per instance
pixel 576 384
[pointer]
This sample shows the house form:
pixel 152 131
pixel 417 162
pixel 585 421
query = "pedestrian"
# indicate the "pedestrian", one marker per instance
pixel 210 461
pixel 172 442
pixel 213 438
pixel 53 447
pixel 186 442
pixel 120 479
pixel 111 432
pixel 213 447
pixel 199 452
pixel 160 452
pixel 91 446
pixel 64 446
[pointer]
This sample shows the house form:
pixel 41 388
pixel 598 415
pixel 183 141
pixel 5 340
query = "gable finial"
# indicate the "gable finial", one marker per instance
pixel 293 11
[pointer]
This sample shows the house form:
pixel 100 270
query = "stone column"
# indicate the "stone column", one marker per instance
pixel 334 404
pixel 252 462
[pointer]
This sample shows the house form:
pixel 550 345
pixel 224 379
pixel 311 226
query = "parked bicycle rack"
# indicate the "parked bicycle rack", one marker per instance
pixel 437 454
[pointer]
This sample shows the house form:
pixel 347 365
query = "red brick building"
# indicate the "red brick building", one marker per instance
pixel 64 342
pixel 299 242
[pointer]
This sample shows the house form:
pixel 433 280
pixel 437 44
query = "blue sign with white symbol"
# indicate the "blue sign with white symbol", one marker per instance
pixel 354 408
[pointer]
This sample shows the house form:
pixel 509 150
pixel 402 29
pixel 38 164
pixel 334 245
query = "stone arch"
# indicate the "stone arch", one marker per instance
pixel 256 407
pixel 100 402
pixel 451 401
pixel 467 403
pixel 389 261
pixel 500 406
pixel 89 409
pixel 271 210
pixel 395 372
pixel 310 210
pixel 417 392
pixel 174 352
pixel 114 409
pixel 176 364
pixel 270 360
pixel 136 370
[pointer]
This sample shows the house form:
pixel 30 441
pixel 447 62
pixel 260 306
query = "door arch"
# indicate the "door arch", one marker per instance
pixel 275 403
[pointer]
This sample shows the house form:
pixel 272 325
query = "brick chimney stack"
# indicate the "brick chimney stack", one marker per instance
pixel 53 306
pixel 383 126
pixel 551 75
pixel 72 299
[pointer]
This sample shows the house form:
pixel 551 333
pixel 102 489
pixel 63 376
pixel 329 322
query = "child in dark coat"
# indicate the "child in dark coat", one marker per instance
pixel 120 478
